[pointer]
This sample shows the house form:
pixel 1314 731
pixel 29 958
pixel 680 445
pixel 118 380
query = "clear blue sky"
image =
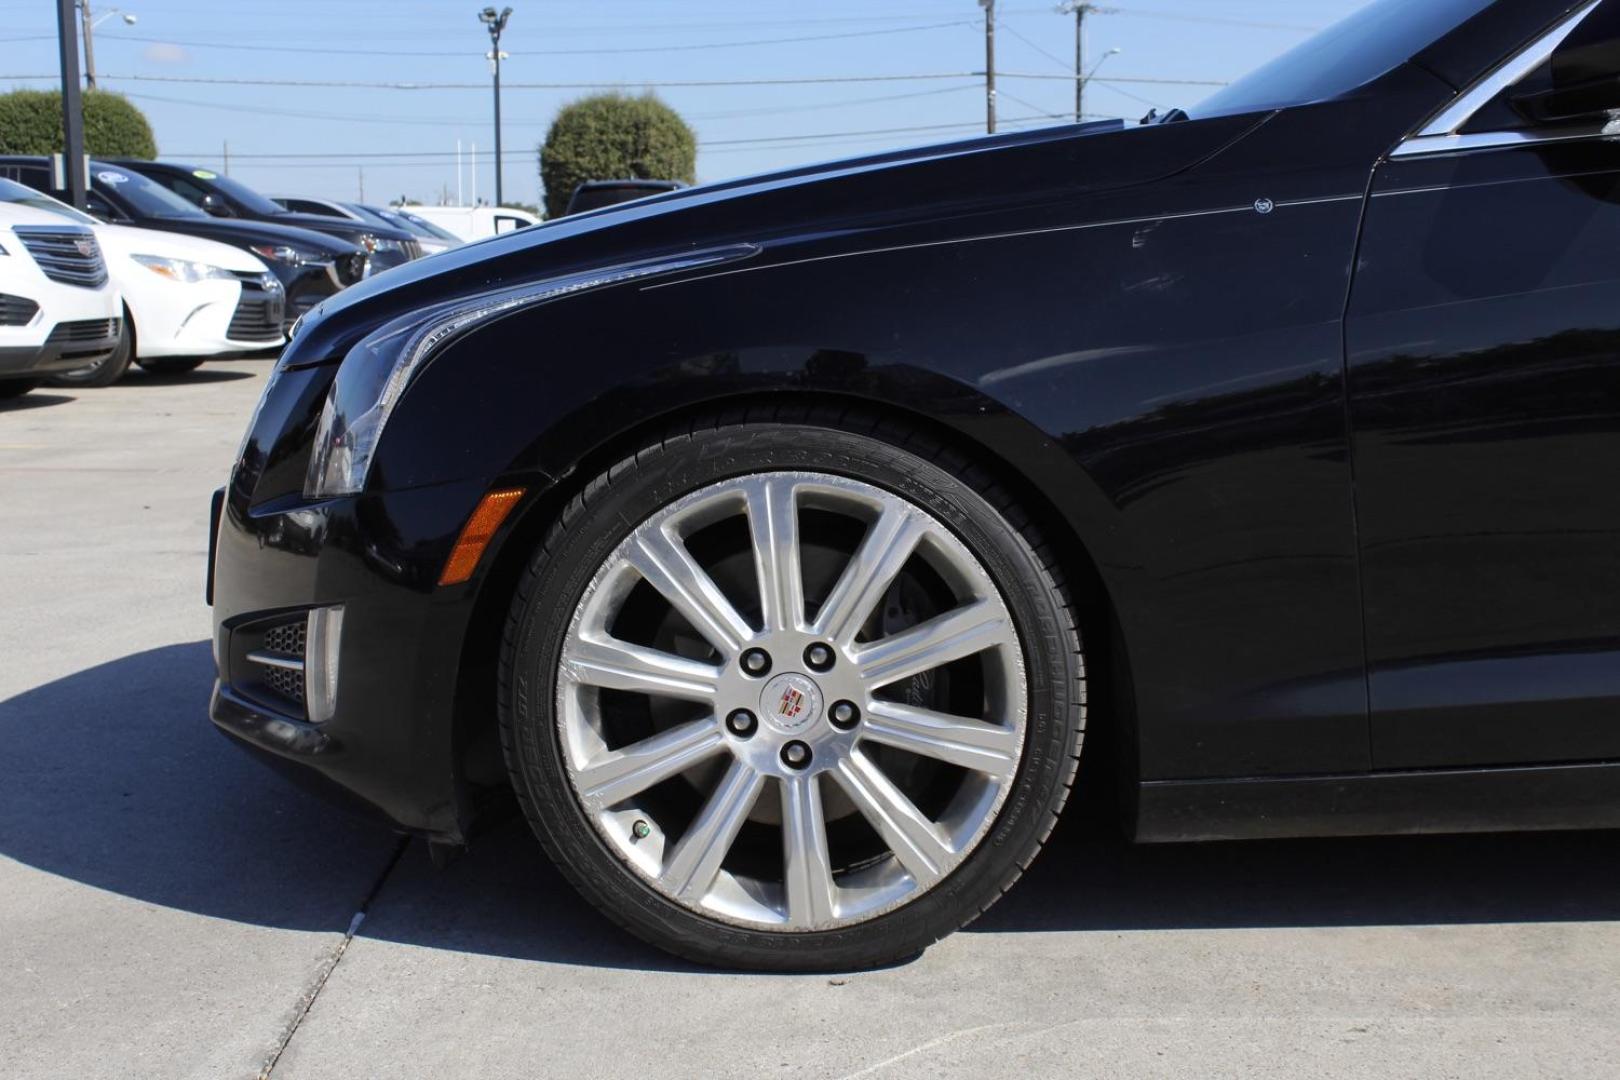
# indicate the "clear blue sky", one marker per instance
pixel 411 134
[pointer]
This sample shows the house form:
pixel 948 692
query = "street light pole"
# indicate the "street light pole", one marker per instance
pixel 496 22
pixel 89 46
pixel 90 25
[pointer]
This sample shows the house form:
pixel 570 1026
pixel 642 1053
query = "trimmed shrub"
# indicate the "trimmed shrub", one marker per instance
pixel 31 123
pixel 614 137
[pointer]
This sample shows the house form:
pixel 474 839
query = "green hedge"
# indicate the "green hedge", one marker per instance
pixel 31 123
pixel 614 137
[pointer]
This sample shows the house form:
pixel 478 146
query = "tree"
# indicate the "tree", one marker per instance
pixel 31 123
pixel 614 137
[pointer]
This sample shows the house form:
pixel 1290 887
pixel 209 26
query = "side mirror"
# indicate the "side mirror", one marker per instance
pixel 1582 80
pixel 214 205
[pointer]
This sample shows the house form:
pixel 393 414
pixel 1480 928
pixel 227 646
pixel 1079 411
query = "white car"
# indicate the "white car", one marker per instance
pixel 474 222
pixel 59 310
pixel 185 298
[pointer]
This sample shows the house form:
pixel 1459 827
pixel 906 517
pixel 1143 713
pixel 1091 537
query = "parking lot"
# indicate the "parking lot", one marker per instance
pixel 172 909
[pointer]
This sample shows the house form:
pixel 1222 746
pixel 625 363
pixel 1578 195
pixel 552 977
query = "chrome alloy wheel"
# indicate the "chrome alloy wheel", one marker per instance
pixel 804 730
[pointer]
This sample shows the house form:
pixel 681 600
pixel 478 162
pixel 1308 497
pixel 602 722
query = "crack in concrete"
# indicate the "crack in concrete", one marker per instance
pixel 307 1002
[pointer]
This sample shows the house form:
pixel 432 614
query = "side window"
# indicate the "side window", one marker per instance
pixel 306 206
pixel 1578 85
pixel 100 207
pixel 192 193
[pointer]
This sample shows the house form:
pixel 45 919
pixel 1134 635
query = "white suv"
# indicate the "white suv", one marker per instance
pixel 58 310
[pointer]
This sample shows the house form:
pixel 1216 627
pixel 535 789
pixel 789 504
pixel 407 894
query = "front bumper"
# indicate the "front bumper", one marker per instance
pixel 208 318
pixel 391 741
pixel 68 346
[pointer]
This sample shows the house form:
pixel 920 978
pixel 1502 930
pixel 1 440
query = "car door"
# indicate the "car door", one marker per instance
pixel 1483 346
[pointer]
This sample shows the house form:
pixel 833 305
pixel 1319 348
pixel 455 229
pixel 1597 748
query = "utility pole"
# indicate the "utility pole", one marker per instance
pixel 496 23
pixel 225 157
pixel 89 46
pixel 1080 9
pixel 362 171
pixel 989 64
pixel 72 105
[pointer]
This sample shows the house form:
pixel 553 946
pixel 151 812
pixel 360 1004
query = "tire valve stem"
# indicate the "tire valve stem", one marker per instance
pixel 641 830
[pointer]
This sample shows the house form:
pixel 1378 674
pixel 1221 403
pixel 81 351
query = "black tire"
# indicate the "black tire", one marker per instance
pixel 171 365
pixel 110 368
pixel 15 388
pixel 952 488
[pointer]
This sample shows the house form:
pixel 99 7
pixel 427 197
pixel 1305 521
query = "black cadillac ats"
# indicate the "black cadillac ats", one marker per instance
pixel 787 544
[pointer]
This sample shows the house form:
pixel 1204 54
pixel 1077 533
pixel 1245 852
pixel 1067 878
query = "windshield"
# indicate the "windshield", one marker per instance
pixel 13 192
pixel 146 197
pixel 239 192
pixel 1381 36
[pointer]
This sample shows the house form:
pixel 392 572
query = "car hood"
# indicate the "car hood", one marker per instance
pixel 129 240
pixel 838 202
pixel 239 231
pixel 336 226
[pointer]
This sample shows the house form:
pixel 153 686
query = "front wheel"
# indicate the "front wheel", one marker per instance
pixel 781 696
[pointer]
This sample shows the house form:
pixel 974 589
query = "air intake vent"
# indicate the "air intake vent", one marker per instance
pixel 17 310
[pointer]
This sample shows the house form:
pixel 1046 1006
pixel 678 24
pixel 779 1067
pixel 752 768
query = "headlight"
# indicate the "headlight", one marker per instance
pixel 376 372
pixel 182 269
pixel 374 244
pixel 283 253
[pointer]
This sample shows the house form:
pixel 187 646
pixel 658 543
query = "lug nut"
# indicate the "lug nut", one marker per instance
pixel 844 715
pixel 819 657
pixel 796 755
pixel 741 723
pixel 756 662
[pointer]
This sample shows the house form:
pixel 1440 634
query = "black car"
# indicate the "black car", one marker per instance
pixel 778 543
pixel 595 194
pixel 310 265
pixel 224 197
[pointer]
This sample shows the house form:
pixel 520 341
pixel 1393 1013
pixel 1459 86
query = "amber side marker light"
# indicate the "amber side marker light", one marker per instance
pixel 477 533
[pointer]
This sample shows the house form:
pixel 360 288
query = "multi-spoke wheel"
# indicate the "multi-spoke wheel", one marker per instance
pixel 770 699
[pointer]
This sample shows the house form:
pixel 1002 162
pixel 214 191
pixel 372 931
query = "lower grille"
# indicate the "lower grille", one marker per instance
pixel 278 664
pixel 260 311
pixel 84 331
pixel 17 310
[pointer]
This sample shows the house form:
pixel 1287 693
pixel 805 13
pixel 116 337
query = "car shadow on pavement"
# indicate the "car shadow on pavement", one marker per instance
pixel 34 399
pixel 114 777
pixel 199 377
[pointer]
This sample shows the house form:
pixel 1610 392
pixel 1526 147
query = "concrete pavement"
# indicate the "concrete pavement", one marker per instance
pixel 168 908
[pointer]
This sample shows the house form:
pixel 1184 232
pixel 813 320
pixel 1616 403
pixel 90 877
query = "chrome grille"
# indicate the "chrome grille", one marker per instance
pixel 67 255
pixel 260 311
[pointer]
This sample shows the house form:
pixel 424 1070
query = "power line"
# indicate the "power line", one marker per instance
pixel 809 80
pixel 471 53
pixel 454 121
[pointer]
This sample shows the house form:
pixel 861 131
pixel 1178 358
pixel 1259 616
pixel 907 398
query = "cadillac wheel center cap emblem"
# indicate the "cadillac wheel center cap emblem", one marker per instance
pixel 790 702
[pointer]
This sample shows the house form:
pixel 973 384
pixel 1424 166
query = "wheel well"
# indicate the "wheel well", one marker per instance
pixel 481 773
